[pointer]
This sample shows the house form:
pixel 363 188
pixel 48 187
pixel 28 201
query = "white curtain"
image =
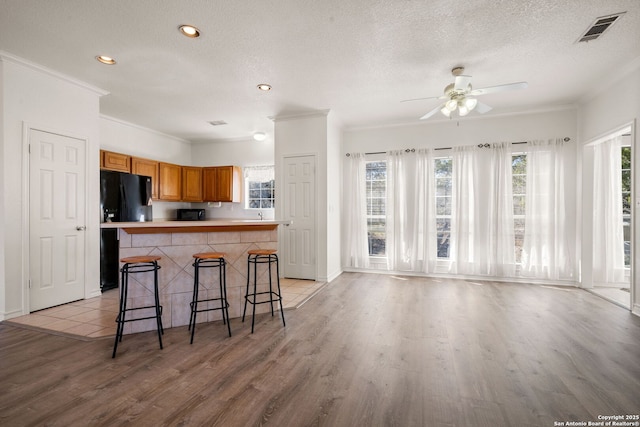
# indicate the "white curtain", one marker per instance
pixel 482 227
pixel 356 241
pixel 608 237
pixel 411 223
pixel 545 253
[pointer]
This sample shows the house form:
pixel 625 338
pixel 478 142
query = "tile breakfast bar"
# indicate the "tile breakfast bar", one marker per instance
pixel 176 242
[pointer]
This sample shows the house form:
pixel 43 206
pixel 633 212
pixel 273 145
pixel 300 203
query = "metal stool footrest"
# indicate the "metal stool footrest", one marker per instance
pixel 136 265
pixel 255 257
pixel 209 260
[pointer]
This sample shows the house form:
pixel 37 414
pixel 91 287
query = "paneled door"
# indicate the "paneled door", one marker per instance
pixel 56 219
pixel 299 207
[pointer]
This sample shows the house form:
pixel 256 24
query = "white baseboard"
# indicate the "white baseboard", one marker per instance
pixel 10 314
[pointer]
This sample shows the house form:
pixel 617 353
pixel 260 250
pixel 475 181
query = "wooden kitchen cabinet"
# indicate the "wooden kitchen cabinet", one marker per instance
pixel 169 182
pixel 146 167
pixel 222 184
pixel 191 184
pixel 115 161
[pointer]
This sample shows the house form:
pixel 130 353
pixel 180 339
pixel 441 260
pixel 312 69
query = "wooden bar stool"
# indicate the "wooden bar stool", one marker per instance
pixel 209 260
pixel 255 257
pixel 136 265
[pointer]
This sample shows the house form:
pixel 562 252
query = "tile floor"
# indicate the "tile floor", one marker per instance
pixel 95 317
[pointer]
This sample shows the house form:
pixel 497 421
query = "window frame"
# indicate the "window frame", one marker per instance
pixel 378 217
pixel 438 216
pixel 247 185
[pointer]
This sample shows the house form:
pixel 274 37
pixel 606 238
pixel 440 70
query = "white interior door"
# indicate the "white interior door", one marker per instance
pixel 299 207
pixel 56 219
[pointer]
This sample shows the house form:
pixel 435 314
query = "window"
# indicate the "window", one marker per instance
pixel 519 188
pixel 443 171
pixel 626 203
pixel 376 178
pixel 259 187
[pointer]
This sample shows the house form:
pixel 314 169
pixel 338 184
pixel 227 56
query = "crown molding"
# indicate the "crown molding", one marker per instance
pixel 295 116
pixel 7 57
pixel 146 129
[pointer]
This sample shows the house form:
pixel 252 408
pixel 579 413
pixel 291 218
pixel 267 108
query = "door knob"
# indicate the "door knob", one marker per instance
pixel 81 228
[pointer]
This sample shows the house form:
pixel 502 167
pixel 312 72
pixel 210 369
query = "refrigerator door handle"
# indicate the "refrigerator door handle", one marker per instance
pixel 123 196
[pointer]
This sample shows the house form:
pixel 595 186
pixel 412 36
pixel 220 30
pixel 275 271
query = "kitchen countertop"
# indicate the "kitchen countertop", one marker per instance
pixel 213 225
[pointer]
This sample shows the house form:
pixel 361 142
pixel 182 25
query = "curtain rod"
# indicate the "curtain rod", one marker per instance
pixel 406 150
pixel 486 145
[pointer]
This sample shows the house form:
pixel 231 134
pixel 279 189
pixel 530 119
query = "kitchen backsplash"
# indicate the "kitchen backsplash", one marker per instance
pixel 167 210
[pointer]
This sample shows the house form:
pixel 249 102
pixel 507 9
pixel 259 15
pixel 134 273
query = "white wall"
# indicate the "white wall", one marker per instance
pixel 306 135
pixel 617 104
pixel 38 98
pixel 127 138
pixel 334 198
pixel 239 152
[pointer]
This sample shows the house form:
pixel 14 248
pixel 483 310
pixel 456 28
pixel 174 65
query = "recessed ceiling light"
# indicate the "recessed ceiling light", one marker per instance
pixel 189 31
pixel 259 136
pixel 106 59
pixel 265 87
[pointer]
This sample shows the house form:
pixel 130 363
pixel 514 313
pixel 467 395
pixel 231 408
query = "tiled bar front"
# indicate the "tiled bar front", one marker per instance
pixel 176 272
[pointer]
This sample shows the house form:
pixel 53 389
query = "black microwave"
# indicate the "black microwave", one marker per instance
pixel 190 214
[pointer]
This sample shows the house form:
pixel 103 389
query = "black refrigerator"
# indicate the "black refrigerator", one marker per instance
pixel 124 197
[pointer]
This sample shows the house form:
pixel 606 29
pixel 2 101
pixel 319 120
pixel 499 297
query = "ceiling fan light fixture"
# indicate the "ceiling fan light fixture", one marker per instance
pixel 446 111
pixel 470 103
pixel 451 105
pixel 462 109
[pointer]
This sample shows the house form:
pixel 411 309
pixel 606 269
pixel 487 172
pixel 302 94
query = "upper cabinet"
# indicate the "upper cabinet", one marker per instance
pixel 140 166
pixel 169 182
pixel 191 184
pixel 115 161
pixel 175 183
pixel 222 184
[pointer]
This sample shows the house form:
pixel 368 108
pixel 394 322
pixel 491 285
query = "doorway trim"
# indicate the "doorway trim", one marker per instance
pixel 281 231
pixel 27 129
pixel 634 286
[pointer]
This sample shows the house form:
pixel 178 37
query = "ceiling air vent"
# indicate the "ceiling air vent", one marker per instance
pixel 599 26
pixel 217 122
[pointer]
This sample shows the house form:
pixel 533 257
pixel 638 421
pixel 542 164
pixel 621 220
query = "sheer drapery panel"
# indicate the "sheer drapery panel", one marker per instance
pixel 482 226
pixel 355 242
pixel 608 236
pixel 545 251
pixel 411 220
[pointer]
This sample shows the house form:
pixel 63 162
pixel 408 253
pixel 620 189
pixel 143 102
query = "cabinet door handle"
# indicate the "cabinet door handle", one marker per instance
pixel 81 228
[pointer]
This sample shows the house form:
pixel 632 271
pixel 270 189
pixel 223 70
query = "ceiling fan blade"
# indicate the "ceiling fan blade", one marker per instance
pixel 422 99
pixel 499 88
pixel 431 113
pixel 482 108
pixel 462 83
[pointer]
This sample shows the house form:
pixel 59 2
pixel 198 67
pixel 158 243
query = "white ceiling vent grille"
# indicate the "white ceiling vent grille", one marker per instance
pixel 599 26
pixel 217 122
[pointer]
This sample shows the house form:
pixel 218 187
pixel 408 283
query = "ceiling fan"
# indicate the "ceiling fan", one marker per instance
pixel 460 96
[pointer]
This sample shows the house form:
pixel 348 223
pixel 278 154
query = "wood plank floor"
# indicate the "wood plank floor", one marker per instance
pixel 369 350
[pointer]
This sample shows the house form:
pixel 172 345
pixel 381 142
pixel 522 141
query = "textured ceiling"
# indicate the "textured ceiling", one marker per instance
pixel 358 58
